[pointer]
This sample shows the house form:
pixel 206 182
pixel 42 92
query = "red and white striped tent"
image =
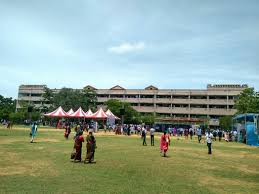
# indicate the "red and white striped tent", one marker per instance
pixel 100 114
pixel 110 114
pixel 70 111
pixel 88 114
pixel 78 114
pixel 59 112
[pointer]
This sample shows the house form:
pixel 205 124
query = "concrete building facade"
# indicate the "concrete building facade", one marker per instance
pixel 213 102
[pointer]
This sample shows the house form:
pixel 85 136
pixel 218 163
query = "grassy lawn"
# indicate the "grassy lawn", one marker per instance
pixel 123 165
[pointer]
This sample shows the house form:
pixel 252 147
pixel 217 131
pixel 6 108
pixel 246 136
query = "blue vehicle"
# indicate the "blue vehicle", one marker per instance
pixel 247 127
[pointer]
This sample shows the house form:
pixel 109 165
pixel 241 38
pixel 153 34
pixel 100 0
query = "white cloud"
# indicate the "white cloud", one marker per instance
pixel 127 47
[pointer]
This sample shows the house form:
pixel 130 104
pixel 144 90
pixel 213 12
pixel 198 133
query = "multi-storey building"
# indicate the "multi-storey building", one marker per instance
pixel 213 102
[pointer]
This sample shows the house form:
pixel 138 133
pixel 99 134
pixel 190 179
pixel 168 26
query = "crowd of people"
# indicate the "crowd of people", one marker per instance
pixel 142 131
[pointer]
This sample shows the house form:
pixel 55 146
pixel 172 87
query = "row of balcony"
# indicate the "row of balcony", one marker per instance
pixel 205 111
pixel 169 101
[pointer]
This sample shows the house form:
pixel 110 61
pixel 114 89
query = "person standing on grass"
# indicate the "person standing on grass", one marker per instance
pixel 199 134
pixel 152 134
pixel 164 143
pixel 186 133
pixel 178 130
pixel 144 135
pixel 191 132
pixel 79 139
pixel 67 131
pixel 34 128
pixel 209 138
pixel 90 147
pixel 220 134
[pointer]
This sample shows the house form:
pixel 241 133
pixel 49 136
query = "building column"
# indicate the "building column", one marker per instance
pixel 171 104
pixel 189 105
pixel 208 106
pixel 227 103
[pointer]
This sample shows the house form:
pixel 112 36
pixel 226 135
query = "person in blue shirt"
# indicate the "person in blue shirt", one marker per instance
pixel 33 131
pixel 199 134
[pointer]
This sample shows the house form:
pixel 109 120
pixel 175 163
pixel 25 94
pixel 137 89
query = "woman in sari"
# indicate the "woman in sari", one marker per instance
pixel 79 139
pixel 164 143
pixel 90 147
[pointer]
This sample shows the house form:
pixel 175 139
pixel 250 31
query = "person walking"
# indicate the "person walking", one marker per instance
pixel 34 129
pixel 90 147
pixel 209 138
pixel 79 139
pixel 164 143
pixel 220 134
pixel 143 135
pixel 191 132
pixel 199 134
pixel 152 134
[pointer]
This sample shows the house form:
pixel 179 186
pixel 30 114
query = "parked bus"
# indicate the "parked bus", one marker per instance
pixel 247 126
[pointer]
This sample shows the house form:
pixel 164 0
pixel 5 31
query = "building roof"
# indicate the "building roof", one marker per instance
pixel 117 87
pixel 151 87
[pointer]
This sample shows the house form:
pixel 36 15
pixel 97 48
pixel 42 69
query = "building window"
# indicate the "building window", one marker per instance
pixel 218 97
pixel 147 104
pixel 218 106
pixel 23 94
pixel 163 114
pixel 146 96
pixel 38 95
pixel 198 97
pixel 163 105
pixel 180 105
pixel 116 96
pixel 131 96
pixel 198 106
pixel 102 96
pixel 163 96
pixel 180 97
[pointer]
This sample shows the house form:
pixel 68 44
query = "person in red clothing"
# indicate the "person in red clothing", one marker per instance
pixel 79 139
pixel 164 143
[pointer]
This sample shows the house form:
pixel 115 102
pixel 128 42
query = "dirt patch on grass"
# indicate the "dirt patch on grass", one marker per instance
pixel 247 169
pixel 222 185
pixel 8 141
pixel 46 140
pixel 14 164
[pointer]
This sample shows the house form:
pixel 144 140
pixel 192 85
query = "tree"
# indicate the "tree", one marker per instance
pixel 48 95
pixel 130 116
pixel 148 119
pixel 71 98
pixel 247 101
pixel 7 106
pixel 89 99
pixel 225 122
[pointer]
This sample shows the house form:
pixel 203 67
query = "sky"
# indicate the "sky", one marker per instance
pixel 171 44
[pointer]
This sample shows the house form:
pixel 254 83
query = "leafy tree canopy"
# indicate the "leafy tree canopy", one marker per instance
pixel 70 98
pixel 130 116
pixel 225 122
pixel 247 101
pixel 7 106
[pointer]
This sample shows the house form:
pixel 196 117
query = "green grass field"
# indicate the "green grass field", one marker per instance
pixel 123 165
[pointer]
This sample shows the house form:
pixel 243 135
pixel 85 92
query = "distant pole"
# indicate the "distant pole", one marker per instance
pixel 122 113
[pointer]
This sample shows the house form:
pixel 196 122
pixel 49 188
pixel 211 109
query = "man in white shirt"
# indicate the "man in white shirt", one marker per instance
pixel 143 135
pixel 152 133
pixel 209 137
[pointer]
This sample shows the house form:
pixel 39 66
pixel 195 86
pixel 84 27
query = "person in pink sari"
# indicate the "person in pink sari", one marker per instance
pixel 164 143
